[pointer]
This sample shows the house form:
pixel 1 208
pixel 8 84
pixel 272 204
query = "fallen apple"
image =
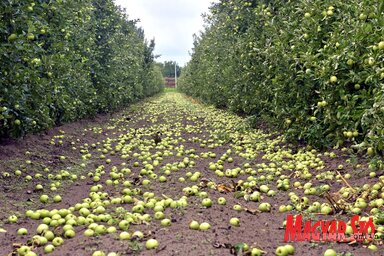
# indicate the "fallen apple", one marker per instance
pixel 194 225
pixel 206 202
pixel 256 252
pixel 151 244
pixel 22 231
pixel 23 250
pixel 124 235
pixel 221 201
pixel 204 226
pixel 57 241
pixel 265 207
pixel 49 248
pixel 57 198
pixel 234 222
pixel 330 252
pixel 281 251
pixel 44 198
pixel 98 253
pixel 165 222
pixel 12 219
pixel 237 207
pixel 290 249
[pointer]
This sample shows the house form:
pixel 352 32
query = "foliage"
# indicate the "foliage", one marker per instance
pixel 312 67
pixel 65 60
pixel 168 68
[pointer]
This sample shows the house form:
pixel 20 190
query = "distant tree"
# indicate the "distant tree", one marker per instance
pixel 168 68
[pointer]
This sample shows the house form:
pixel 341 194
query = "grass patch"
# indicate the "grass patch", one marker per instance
pixel 168 90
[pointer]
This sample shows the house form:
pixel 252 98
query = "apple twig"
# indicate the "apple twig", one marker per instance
pixel 346 182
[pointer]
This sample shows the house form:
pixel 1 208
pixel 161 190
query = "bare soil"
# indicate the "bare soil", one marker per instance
pixel 184 125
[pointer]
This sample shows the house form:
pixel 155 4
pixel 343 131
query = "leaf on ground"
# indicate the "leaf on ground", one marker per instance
pixel 222 245
pixel 238 249
pixel 204 182
pixel 161 248
pixel 222 188
pixel 238 194
pixel 251 210
pixel 17 245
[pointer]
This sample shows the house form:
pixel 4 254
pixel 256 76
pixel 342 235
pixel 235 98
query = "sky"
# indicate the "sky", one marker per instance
pixel 171 22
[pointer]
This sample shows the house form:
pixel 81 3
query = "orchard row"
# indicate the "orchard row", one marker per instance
pixel 65 60
pixel 312 68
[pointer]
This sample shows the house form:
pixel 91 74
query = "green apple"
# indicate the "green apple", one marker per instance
pixel 330 252
pixel 221 201
pixel 194 178
pixel 290 249
pixel 158 208
pixel 57 198
pixel 206 202
pixel 380 45
pixel 325 209
pixel 35 215
pixel 255 196
pixel 204 226
pixel 111 230
pixel 12 219
pixel 151 244
pixel 22 231
pixel 373 247
pixel 12 37
pixel 69 233
pixel 98 253
pixel 138 234
pixel 159 215
pixel 124 235
pixel 234 222
pixel 23 250
pixel 67 227
pixel 84 212
pixel 42 228
pixel 49 235
pixel 89 232
pixel 57 241
pixel 282 208
pixel 265 207
pixel 165 222
pixel 39 187
pixel 194 225
pixel 124 224
pixel 31 253
pixel 237 207
pixel 264 188
pixel 256 252
pixel 49 248
pixel 281 251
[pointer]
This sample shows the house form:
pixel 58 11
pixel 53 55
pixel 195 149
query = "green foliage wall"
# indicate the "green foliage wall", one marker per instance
pixel 312 67
pixel 64 60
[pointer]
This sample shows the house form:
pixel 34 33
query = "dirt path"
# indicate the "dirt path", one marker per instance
pixel 185 152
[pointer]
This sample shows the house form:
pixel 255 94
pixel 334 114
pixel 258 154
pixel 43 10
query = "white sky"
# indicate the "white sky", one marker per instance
pixel 171 22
